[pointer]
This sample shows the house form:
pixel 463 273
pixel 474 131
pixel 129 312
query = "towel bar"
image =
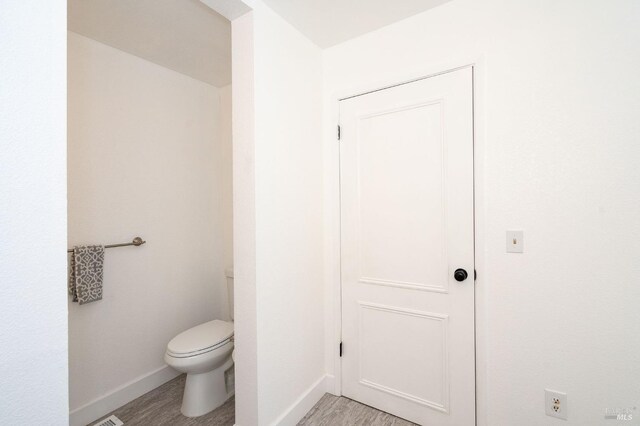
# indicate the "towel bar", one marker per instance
pixel 137 241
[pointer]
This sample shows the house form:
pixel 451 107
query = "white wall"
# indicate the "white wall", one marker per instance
pixel 147 157
pixel 557 147
pixel 278 193
pixel 226 172
pixel 244 222
pixel 33 307
pixel 225 167
pixel 289 228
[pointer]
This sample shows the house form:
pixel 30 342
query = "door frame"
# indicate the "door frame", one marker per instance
pixel 332 219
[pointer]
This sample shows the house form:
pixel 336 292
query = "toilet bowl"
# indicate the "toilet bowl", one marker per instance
pixel 204 352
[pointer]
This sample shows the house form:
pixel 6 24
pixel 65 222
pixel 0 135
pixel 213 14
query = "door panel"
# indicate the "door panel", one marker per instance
pixel 406 164
pixel 404 174
pixel 384 370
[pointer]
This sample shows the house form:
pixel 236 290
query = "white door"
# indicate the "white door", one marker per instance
pixel 406 164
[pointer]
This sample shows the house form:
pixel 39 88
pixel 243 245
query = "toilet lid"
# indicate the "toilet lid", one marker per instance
pixel 201 337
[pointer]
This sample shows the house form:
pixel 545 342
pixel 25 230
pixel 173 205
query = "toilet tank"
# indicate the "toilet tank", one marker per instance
pixel 229 274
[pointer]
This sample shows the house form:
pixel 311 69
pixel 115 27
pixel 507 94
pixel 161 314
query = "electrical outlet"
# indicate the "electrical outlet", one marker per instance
pixel 555 404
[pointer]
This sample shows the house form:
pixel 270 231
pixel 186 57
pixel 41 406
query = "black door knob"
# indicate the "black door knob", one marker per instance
pixel 460 275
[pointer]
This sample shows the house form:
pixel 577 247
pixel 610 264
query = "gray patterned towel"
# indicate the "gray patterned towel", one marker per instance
pixel 85 273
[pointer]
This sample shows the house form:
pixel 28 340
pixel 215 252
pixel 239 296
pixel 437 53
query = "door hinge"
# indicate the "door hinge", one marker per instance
pixel 338 132
pixel 475 275
pixel 340 349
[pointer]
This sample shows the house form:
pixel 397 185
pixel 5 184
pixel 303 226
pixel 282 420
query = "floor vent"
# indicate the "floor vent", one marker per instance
pixel 109 421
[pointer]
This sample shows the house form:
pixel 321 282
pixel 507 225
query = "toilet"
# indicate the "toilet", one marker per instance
pixel 204 353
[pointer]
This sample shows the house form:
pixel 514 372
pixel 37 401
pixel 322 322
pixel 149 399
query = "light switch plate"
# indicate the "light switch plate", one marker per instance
pixel 515 241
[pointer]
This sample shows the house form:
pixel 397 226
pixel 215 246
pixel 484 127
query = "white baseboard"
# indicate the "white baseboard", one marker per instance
pixel 98 408
pixel 94 410
pixel 305 402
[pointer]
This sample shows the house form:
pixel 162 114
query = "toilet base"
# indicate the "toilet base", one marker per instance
pixel 205 392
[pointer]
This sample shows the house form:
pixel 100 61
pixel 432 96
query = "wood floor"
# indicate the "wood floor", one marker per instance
pixel 161 407
pixel 340 411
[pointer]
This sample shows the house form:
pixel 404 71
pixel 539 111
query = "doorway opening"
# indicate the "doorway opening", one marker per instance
pixel 149 155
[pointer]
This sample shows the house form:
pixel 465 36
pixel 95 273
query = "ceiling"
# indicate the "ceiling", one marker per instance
pixel 183 35
pixel 329 22
pixel 191 38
